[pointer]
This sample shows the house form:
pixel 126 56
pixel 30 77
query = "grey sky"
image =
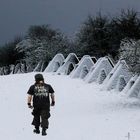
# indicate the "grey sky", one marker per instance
pixel 67 15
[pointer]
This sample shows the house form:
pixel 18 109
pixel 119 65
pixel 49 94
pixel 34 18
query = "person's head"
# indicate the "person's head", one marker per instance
pixel 39 78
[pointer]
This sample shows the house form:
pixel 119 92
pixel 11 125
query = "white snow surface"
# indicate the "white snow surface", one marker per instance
pixel 82 111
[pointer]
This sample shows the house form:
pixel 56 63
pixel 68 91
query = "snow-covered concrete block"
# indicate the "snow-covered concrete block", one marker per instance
pixel 121 83
pixel 130 84
pixel 135 89
pixel 92 68
pixel 23 68
pixel 69 64
pixel 12 69
pixel 83 67
pixel 95 73
pixel 19 68
pixel 5 70
pixel 121 69
pixel 111 73
pixel 55 63
pixel 84 72
pixel 39 67
pixel 102 76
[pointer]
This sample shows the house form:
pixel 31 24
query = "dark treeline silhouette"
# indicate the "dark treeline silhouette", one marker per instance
pixel 101 35
pixel 98 36
pixel 9 54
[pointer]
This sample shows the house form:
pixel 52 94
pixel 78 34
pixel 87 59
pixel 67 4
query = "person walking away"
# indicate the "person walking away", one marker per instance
pixel 39 95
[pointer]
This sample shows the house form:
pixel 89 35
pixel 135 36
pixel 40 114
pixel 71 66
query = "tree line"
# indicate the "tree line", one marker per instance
pixel 98 36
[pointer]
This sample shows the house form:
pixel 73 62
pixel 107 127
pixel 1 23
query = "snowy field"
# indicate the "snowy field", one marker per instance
pixel 82 111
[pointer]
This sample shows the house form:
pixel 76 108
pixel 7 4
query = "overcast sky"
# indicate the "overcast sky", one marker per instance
pixel 17 15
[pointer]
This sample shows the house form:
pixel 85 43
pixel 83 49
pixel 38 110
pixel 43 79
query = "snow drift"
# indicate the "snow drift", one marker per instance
pixel 82 111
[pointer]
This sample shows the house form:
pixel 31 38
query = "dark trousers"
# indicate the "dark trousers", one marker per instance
pixel 41 117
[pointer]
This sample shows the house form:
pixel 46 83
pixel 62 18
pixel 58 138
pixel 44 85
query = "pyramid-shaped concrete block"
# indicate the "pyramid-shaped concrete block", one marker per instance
pixel 39 67
pixel 103 64
pixel 19 68
pixel 55 63
pixel 121 83
pixel 135 89
pixel 69 64
pixel 129 84
pixel 83 67
pixel 121 70
pixel 102 76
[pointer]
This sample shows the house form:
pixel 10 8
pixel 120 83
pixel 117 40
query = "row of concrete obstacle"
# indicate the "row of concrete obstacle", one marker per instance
pixel 103 71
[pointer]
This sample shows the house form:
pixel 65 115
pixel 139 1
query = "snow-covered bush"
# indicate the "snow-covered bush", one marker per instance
pixel 130 51
pixel 42 44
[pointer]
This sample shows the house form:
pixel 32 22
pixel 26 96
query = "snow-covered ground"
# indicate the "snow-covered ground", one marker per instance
pixel 82 111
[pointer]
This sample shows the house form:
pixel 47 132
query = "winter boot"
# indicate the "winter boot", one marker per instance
pixel 36 130
pixel 44 132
